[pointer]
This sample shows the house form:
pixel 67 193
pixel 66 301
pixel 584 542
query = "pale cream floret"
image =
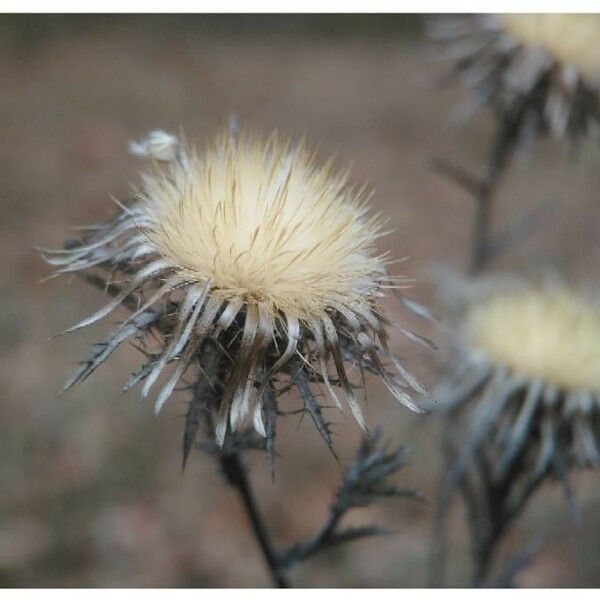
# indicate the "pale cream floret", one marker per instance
pixel 572 39
pixel 266 225
pixel 549 333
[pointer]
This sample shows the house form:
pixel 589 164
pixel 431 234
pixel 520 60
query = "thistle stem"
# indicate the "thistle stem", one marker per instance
pixel 485 191
pixel 207 393
pixel 236 473
pixel 481 251
pixel 493 511
pixel 487 536
pixel 439 537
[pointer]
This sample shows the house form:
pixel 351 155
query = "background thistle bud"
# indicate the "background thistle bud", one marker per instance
pixel 521 405
pixel 539 71
pixel 251 249
pixel 524 389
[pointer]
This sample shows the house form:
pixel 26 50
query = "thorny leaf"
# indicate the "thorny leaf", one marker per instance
pixel 365 477
pixel 196 408
pixel 271 410
pixel 351 534
pixel 314 410
pixel 364 481
pixel 102 350
pixel 204 394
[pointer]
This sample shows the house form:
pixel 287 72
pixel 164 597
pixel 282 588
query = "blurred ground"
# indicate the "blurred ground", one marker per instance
pixel 91 490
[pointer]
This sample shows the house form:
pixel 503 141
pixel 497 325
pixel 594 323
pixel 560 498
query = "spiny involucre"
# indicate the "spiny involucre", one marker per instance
pixel 526 374
pixel 538 72
pixel 252 249
pixel 572 39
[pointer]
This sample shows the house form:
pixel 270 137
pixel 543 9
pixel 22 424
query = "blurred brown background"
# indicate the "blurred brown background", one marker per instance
pixel 91 492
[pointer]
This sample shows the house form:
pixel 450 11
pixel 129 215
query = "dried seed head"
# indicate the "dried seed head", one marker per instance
pixel 524 387
pixel 253 251
pixel 550 333
pixel 539 73
pixel 266 225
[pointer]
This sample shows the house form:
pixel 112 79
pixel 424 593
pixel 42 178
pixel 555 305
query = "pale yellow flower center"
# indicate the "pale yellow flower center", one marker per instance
pixel 548 333
pixel 266 225
pixel 570 38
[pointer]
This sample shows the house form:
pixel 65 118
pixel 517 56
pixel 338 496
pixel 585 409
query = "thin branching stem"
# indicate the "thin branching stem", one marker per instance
pixel 482 250
pixel 365 480
pixel 321 540
pixel 485 192
pixel 499 504
pixel 236 473
pixel 207 393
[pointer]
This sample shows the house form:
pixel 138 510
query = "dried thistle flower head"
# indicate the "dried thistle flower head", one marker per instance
pixel 251 250
pixel 572 39
pixel 527 379
pixel 267 227
pixel 549 332
pixel 540 72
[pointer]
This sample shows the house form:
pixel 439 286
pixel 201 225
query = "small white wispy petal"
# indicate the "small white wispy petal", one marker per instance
pixel 158 144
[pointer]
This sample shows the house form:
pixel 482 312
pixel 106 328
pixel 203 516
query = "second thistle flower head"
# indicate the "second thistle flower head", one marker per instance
pixel 527 376
pixel 252 249
pixel 570 39
pixel 550 333
pixel 539 72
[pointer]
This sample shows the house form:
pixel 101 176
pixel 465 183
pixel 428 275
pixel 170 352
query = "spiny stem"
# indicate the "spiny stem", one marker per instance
pixel 236 474
pixel 439 536
pixel 208 391
pixel 484 190
pixel 495 513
